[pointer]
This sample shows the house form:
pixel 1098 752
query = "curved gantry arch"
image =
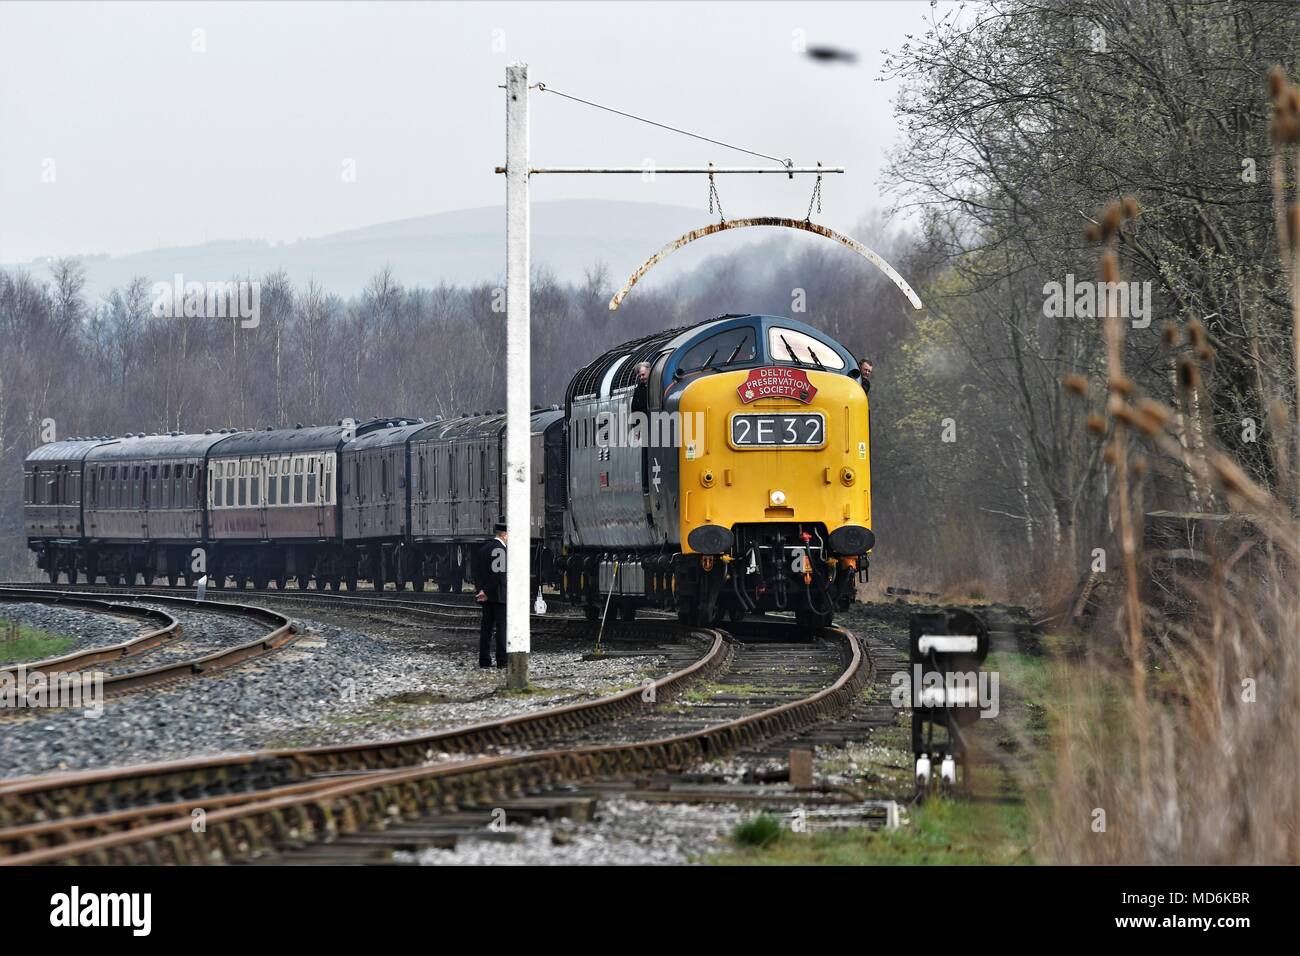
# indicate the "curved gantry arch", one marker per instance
pixel 801 224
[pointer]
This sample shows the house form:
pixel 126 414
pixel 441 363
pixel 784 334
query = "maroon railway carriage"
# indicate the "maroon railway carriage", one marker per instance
pixel 273 508
pixel 375 491
pixel 52 518
pixel 144 507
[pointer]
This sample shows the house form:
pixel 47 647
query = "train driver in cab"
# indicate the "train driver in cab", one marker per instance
pixel 864 370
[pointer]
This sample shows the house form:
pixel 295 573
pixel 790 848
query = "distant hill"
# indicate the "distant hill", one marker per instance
pixel 461 247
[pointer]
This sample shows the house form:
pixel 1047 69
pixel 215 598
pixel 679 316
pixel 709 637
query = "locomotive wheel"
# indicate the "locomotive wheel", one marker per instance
pixel 72 575
pixel 241 582
pixel 260 582
pixel 417 583
pixel 54 573
pixel 735 615
pixel 352 582
pixel 591 611
pixel 171 580
pixel 628 611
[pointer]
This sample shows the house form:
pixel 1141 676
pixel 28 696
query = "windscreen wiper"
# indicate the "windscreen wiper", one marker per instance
pixel 813 356
pixel 736 350
pixel 794 357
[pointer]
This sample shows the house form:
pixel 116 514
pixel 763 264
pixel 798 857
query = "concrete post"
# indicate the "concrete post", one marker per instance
pixel 518 377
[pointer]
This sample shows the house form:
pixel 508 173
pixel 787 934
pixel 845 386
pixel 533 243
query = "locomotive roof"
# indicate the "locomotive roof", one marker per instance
pixel 280 441
pixel 154 446
pixel 73 449
pixel 625 358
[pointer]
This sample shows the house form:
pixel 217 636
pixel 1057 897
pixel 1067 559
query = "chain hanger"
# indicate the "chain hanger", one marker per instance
pixel 816 197
pixel 714 197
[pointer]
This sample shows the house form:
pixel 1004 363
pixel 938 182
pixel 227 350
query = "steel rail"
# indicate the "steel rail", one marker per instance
pixel 48 796
pixel 77 660
pixel 247 830
pixel 285 632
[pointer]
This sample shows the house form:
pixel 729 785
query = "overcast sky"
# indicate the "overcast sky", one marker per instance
pixel 151 142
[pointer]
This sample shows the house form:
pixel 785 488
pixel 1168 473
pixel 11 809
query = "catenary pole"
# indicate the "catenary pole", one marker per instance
pixel 518 377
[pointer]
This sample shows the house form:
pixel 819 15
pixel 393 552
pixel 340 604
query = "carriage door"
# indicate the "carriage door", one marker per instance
pixel 386 482
pixel 420 494
pixel 485 482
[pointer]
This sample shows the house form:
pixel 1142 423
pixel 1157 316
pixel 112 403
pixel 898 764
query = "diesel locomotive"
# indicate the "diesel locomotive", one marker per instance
pixel 717 470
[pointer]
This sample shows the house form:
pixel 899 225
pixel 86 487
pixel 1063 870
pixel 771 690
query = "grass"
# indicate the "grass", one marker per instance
pixel 939 832
pixel 18 643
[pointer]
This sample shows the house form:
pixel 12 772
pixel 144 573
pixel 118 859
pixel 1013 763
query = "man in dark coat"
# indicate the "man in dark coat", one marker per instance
pixel 490 579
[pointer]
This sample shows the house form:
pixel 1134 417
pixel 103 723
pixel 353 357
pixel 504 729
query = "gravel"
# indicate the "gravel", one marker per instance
pixel 624 832
pixel 88 628
pixel 334 685
pixel 201 635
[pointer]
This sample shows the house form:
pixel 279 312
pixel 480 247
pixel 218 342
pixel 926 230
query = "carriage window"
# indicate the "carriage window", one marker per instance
pixel 254 489
pixel 272 489
pixel 799 348
pixel 284 489
pixel 297 488
pixel 383 478
pixel 230 490
pixel 311 487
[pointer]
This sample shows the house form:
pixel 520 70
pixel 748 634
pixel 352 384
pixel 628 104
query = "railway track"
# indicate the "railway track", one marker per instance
pixel 283 632
pixel 446 607
pixel 737 694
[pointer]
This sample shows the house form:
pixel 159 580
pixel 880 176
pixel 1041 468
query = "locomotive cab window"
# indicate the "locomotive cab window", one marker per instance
pixel 798 348
pixel 732 347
